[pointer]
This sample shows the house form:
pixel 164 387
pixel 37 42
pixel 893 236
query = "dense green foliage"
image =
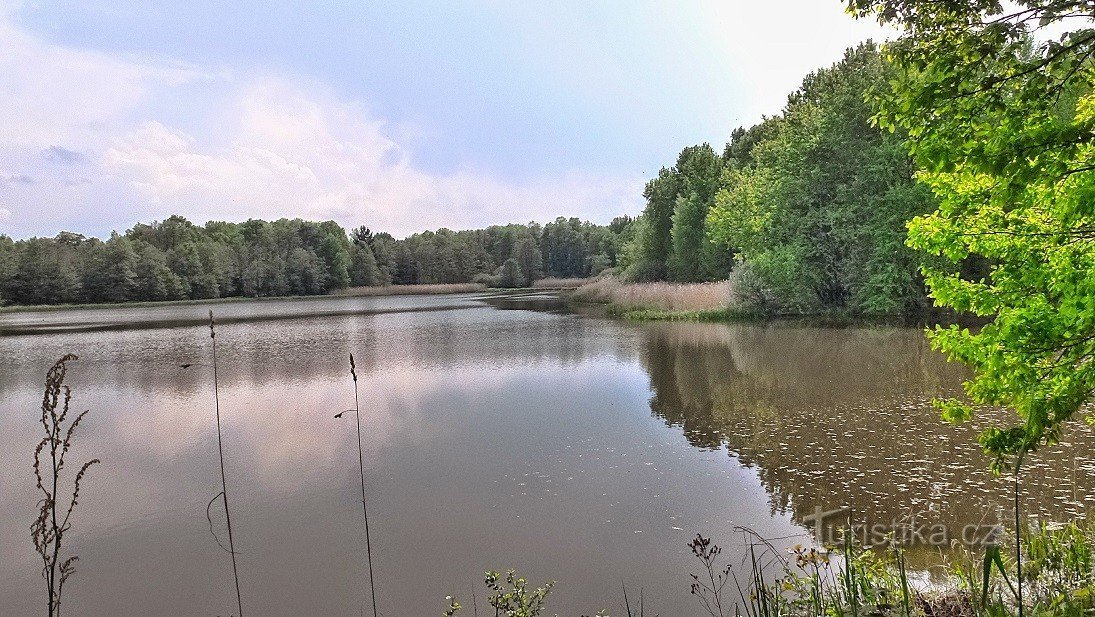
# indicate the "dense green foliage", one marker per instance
pixel 817 213
pixel 1001 118
pixel 808 208
pixel 176 260
pixel 670 240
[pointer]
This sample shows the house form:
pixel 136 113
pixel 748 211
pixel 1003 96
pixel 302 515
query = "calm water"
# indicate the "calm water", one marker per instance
pixel 571 447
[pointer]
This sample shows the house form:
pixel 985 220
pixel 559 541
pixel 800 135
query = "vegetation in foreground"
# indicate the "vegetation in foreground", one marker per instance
pixel 54 518
pixel 850 580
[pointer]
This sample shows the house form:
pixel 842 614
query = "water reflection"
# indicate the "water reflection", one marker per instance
pixel 575 448
pixel 495 438
pixel 836 418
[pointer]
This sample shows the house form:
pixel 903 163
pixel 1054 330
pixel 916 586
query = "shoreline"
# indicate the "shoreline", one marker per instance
pixel 389 290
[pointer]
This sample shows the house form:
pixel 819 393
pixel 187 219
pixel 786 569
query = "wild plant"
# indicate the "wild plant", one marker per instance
pixel 511 597
pixel 708 586
pixel 224 483
pixel 51 525
pixel 452 608
pixel 640 607
pixel 364 505
pixel 844 581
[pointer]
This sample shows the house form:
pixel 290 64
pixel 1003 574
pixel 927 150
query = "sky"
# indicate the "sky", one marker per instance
pixel 402 116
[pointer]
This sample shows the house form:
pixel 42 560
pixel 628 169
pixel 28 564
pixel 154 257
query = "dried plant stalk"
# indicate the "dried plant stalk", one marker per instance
pixel 220 453
pixel 361 468
pixel 51 525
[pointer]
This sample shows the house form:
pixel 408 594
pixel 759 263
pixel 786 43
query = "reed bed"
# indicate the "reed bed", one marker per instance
pixel 412 290
pixel 675 297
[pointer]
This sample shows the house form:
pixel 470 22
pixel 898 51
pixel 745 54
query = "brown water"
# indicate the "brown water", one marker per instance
pixel 571 447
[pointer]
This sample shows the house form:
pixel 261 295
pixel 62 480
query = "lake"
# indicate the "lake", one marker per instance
pixel 499 432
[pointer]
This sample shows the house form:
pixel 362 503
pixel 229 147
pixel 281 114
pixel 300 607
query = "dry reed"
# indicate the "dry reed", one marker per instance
pixel 656 296
pixel 49 527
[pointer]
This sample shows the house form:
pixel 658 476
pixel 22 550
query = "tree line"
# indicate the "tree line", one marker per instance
pixel 175 259
pixel 806 210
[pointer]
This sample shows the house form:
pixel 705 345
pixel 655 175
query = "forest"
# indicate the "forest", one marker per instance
pixel 175 259
pixel 805 212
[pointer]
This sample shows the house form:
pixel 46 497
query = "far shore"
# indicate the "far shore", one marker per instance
pixel 349 292
pixel 387 290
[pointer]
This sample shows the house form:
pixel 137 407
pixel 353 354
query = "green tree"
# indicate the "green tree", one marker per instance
pixel 7 264
pixel 510 275
pixel 185 261
pixel 653 240
pixel 817 203
pixel 1001 125
pixel 153 279
pixel 699 169
pixel 110 273
pixel 333 249
pixel 384 252
pixel 305 272
pixel 42 274
pixel 528 258
pixel 364 271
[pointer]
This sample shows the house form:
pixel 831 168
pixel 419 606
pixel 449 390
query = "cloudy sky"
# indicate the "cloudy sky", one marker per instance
pixel 402 116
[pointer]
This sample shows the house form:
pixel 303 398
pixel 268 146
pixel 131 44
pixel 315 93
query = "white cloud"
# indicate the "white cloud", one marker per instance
pixel 92 141
pixel 263 147
pixel 55 94
pixel 5 214
pixel 778 43
pixel 293 153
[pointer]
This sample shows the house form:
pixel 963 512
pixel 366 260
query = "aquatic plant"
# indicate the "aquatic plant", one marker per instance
pixel 51 525
pixel 224 483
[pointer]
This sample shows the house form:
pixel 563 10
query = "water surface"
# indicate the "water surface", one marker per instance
pixel 571 447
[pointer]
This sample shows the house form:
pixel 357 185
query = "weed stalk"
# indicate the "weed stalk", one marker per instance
pixel 50 526
pixel 220 452
pixel 361 469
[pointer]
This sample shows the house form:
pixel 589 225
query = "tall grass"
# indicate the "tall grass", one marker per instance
pixel 676 297
pixel 851 580
pixel 220 453
pixel 52 523
pixel 361 468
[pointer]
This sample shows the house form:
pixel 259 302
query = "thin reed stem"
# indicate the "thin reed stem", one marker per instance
pixel 220 452
pixel 1018 541
pixel 361 469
